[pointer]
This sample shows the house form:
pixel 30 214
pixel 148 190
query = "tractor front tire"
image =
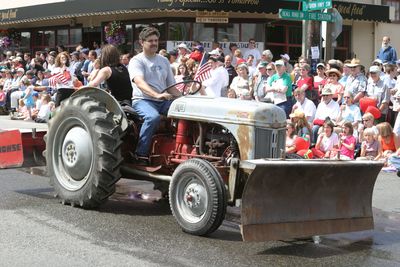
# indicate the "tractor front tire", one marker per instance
pixel 198 197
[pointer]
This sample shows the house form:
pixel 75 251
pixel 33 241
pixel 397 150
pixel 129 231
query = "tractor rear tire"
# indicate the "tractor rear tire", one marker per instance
pixel 198 197
pixel 83 152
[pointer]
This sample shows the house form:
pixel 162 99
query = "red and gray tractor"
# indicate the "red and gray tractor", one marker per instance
pixel 207 153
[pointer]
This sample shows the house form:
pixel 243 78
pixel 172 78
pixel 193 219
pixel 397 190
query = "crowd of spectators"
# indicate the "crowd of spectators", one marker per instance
pixel 340 110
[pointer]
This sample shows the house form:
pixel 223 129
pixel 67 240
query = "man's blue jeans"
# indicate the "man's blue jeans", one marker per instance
pixel 150 111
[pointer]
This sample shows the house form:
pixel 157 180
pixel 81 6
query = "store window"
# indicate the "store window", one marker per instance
pixel 342 49
pixel 251 30
pixel 282 39
pixel 75 36
pixel 178 31
pixel 25 44
pixel 62 37
pixel 396 5
pixel 228 32
pixel 203 32
pixel 162 27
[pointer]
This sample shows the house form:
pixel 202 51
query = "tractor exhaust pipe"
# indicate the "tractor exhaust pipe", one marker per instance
pixel 143 175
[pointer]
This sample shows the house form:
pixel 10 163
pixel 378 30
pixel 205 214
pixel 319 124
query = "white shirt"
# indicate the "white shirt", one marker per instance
pixel 331 110
pixel 44 112
pixel 255 52
pixel 308 108
pixel 219 79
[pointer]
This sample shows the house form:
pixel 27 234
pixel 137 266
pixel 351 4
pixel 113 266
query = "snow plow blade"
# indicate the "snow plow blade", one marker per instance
pixel 286 199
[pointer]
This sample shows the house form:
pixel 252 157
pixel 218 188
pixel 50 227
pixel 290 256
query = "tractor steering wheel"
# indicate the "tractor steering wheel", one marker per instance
pixel 187 87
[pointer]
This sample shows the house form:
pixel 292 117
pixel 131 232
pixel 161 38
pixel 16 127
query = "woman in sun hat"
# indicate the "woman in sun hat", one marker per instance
pixel 334 76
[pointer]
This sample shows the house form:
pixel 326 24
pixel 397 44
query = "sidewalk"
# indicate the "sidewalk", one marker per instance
pixel 24 126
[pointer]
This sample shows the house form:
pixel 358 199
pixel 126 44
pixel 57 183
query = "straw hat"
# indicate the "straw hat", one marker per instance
pixel 333 70
pixel 354 63
pixel 297 114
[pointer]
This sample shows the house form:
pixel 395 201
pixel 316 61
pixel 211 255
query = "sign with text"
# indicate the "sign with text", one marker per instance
pixel 171 45
pixel 211 20
pixel 303 15
pixel 316 5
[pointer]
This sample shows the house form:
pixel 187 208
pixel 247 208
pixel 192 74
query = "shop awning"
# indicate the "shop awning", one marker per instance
pixel 82 8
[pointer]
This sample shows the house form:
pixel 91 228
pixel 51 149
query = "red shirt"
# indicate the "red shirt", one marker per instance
pixel 307 80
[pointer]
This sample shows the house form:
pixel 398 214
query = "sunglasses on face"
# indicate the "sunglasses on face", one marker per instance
pixel 269 69
pixel 352 67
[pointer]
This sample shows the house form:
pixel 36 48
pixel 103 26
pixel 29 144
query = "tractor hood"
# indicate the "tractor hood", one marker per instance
pixel 228 111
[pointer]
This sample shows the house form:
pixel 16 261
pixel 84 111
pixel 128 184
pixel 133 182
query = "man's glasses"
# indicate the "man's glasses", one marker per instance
pixel 270 69
pixel 252 42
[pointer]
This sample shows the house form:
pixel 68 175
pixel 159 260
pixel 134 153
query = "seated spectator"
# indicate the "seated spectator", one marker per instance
pixel 327 142
pixel 197 53
pixel 43 115
pixel 388 142
pixel 231 93
pixel 333 83
pixel 260 81
pixel 367 122
pixel 304 104
pixel 328 108
pixel 349 112
pixel 369 146
pixel 301 126
pixel 347 142
pixel 2 97
pixel 290 137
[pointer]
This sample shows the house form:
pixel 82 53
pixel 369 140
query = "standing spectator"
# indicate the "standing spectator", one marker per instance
pixel 252 50
pixel 184 52
pixel 96 47
pixel 252 68
pixel 173 55
pixel 197 53
pixel 281 87
pixel 345 74
pixel 387 53
pixel 217 84
pixel 238 57
pixel 357 82
pixel 232 48
pixel 304 105
pixel 377 89
pixel 125 59
pixel 267 56
pixel 74 64
pixel 230 68
pixel 286 59
pixel 260 81
pixel 242 83
pixel 305 82
pixel 85 66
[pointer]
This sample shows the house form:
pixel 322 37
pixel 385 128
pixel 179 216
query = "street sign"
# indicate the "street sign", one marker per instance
pixel 316 5
pixel 303 15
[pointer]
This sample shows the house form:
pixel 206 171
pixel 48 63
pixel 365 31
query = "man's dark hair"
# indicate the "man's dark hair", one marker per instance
pixel 232 45
pixel 148 31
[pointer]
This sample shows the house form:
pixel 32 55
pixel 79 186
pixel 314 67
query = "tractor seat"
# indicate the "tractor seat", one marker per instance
pixel 129 111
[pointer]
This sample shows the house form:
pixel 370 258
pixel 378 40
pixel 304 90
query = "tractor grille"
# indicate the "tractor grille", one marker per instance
pixel 269 143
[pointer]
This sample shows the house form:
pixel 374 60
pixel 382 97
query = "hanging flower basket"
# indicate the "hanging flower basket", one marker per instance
pixel 115 33
pixel 5 42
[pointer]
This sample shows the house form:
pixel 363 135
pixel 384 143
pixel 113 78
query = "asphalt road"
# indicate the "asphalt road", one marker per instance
pixel 134 229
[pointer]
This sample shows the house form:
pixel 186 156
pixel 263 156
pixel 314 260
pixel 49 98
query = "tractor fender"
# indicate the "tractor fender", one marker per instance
pixel 111 103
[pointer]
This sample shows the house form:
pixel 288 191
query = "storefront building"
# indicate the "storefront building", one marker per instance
pixel 82 21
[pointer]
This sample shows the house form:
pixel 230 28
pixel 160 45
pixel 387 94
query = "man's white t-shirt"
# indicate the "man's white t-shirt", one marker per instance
pixel 331 110
pixel 219 79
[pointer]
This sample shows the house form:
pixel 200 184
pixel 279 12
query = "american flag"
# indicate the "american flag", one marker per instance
pixel 57 78
pixel 203 72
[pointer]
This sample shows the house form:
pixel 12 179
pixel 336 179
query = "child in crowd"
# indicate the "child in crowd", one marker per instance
pixel 22 111
pixel 347 142
pixel 388 141
pixel 327 142
pixel 370 146
pixel 45 110
pixel 29 101
pixel 290 137
pixel 2 97
pixel 231 93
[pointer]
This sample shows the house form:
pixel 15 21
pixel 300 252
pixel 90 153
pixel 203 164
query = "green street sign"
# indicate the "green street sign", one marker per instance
pixel 316 5
pixel 303 15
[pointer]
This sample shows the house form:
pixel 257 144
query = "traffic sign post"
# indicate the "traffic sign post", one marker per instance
pixel 303 15
pixel 316 5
